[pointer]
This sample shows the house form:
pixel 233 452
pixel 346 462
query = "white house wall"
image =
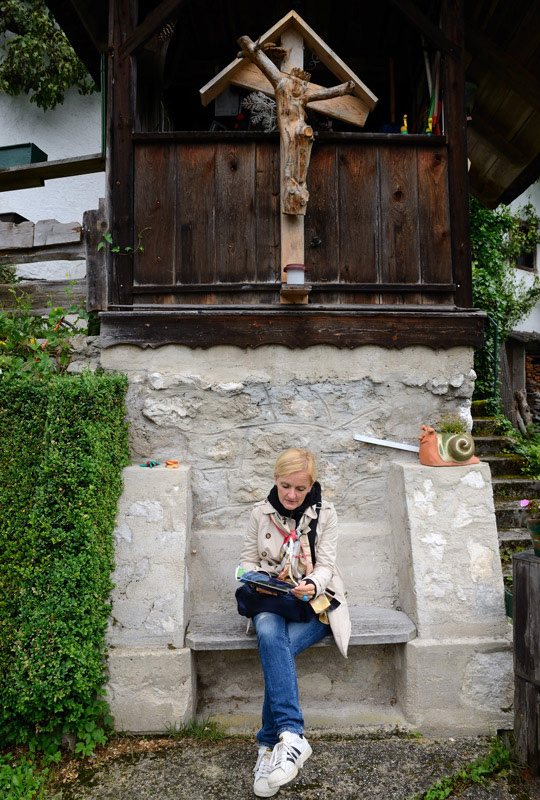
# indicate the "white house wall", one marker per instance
pixel 72 129
pixel 532 323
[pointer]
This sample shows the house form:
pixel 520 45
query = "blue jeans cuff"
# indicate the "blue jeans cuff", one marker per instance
pixel 298 731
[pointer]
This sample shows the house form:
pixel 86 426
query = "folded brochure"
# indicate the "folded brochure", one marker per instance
pixel 263 581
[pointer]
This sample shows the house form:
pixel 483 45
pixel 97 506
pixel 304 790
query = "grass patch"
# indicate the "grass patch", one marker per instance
pixel 497 762
pixel 201 729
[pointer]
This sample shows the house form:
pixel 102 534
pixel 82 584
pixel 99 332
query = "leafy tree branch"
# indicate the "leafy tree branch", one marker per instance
pixel 36 57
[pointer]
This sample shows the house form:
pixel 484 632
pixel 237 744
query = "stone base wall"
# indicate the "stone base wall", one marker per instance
pixel 228 412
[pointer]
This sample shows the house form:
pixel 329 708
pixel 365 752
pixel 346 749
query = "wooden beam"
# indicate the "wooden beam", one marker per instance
pixel 32 175
pixel 181 288
pixel 30 255
pixel 505 66
pixel 59 293
pixel 296 327
pixel 435 35
pixel 456 130
pixel 522 182
pixel 153 23
pixel 347 108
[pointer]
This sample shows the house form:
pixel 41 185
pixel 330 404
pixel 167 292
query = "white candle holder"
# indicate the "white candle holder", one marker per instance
pixel 295 274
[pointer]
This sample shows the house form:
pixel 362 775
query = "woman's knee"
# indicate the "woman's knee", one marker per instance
pixel 268 625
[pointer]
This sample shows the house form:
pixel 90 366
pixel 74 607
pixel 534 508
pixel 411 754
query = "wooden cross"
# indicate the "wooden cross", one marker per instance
pixel 350 102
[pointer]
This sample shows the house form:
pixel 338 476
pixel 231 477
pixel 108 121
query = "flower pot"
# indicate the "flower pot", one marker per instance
pixel 533 526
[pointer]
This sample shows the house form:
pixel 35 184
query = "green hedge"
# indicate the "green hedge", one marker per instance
pixel 63 443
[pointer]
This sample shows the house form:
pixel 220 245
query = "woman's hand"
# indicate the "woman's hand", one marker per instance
pixel 303 589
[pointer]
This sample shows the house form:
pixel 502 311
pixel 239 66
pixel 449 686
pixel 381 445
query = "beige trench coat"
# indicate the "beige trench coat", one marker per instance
pixel 261 552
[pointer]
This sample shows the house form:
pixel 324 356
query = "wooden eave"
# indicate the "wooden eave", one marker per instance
pixel 340 326
pixel 502 43
pixel 85 23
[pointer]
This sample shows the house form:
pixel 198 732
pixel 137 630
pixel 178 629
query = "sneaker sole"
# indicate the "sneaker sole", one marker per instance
pixel 298 766
pixel 270 792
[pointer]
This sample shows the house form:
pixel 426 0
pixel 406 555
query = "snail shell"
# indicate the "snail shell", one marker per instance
pixel 455 447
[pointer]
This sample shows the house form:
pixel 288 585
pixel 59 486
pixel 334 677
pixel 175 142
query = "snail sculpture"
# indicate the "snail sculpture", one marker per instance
pixel 446 449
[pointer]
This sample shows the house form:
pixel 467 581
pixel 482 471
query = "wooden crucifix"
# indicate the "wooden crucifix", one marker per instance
pixel 350 101
pixel 293 92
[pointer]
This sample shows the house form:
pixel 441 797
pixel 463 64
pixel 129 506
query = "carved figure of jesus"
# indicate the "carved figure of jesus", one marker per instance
pixel 292 92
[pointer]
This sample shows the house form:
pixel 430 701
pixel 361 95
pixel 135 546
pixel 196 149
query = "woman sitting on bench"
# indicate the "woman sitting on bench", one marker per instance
pixel 292 536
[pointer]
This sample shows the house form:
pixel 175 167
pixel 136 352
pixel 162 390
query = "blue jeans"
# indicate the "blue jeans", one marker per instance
pixel 280 642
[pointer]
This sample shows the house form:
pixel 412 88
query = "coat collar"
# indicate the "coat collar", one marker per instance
pixel 268 508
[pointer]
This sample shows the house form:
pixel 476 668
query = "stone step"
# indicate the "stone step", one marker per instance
pixel 510 465
pixel 515 488
pixel 508 514
pixel 515 536
pixel 479 408
pixel 486 426
pixel 491 445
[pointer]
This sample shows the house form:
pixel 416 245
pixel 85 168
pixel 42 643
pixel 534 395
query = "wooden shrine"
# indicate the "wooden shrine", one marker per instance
pixel 384 234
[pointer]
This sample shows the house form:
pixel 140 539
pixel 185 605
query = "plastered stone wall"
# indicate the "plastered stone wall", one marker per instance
pixel 228 412
pixel 420 538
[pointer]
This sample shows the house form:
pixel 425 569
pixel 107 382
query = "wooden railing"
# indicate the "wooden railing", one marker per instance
pixel 49 240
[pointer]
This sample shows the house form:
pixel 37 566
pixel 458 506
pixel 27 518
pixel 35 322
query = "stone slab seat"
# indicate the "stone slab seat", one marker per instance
pixel 370 625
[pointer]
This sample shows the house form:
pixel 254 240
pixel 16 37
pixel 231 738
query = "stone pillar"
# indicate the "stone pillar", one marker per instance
pixel 457 674
pixel 151 674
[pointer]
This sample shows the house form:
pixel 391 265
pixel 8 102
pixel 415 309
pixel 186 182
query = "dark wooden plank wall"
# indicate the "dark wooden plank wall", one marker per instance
pixel 378 217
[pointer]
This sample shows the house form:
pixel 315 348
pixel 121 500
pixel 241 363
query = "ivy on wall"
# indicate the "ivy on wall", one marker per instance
pixel 36 57
pixel 498 237
pixel 63 444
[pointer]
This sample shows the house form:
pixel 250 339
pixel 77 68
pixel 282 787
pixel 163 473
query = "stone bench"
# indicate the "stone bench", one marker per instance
pixel 370 625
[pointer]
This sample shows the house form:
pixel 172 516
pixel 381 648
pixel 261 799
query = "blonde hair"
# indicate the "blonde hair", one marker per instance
pixel 295 460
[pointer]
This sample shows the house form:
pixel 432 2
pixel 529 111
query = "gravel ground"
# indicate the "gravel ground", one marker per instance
pixel 344 769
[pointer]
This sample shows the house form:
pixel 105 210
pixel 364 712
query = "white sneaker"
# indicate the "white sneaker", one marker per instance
pixel 288 757
pixel 262 771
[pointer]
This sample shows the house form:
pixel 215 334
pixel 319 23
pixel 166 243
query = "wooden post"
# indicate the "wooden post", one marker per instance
pixel 526 570
pixel 94 226
pixel 120 149
pixel 292 226
pixel 455 115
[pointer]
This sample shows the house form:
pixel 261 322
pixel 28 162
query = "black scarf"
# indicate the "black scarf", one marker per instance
pixel 312 498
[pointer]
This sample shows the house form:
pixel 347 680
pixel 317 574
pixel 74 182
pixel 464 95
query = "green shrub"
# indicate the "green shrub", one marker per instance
pixel 63 443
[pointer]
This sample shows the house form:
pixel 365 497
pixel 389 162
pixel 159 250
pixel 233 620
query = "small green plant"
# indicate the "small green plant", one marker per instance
pixel 203 729
pixel 451 423
pixel 497 762
pixel 8 274
pixel 21 778
pixel 125 251
pixel 31 344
